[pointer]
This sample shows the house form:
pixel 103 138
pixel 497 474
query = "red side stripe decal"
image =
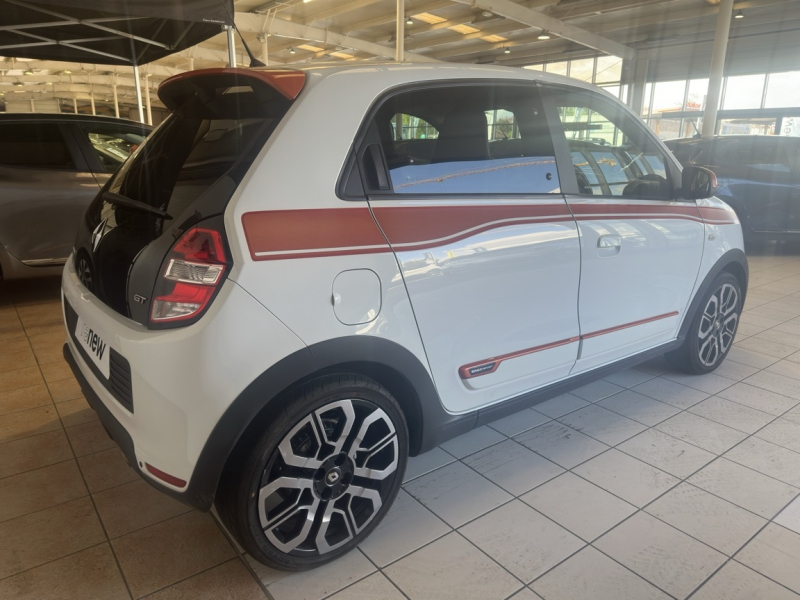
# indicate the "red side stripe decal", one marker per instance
pixel 714 215
pixel 490 365
pixel 281 234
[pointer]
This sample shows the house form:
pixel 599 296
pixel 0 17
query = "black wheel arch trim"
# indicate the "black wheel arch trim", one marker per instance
pixel 733 261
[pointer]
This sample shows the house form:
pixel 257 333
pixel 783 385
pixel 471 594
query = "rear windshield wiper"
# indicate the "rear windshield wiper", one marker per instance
pixel 120 200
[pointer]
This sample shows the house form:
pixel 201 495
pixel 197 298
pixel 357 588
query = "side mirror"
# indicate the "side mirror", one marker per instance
pixel 698 183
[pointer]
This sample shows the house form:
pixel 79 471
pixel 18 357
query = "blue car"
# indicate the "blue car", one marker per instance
pixel 758 176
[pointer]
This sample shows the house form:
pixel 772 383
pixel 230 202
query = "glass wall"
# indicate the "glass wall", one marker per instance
pixel 605 71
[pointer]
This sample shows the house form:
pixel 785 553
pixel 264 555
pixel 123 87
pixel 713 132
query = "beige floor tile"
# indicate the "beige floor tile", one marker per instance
pixel 75 412
pixel 628 378
pixel 737 582
pixel 770 459
pixel 513 467
pixel 732 414
pixel 11 332
pixel 525 594
pixel 40 312
pixel 522 540
pixel 65 389
pixel 583 508
pixel 49 355
pixel 716 522
pixel 774 382
pixel 475 440
pixel 667 453
pixel 56 371
pixel 709 383
pixel 25 423
pixel 591 575
pixel 626 477
pixel 664 556
pixel 20 378
pixel 451 569
pixel 639 407
pixel 671 392
pixel 425 463
pixel 561 405
pixel 602 424
pixel 775 553
pixel 561 444
pixel 47 341
pixel 106 469
pixel 89 438
pixel 758 398
pixel 39 489
pixel 33 453
pixel 782 432
pixel 87 575
pixel 48 326
pixel 787 368
pixel 228 581
pixel 24 398
pixel 733 370
pixel 135 505
pixel 370 588
pixel 700 432
pixel 456 493
pixel 597 390
pixel 406 527
pixel 14 346
pixel 519 422
pixel 780 337
pixel 47 535
pixel 750 358
pixel 744 487
pixel 22 359
pixel 789 517
pixel 168 552
pixel 319 582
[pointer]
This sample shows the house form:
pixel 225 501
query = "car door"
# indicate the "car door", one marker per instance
pixel 760 176
pixel 462 181
pixel 46 187
pixel 640 246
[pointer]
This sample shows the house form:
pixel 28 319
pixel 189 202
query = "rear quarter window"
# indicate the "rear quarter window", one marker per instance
pixel 34 145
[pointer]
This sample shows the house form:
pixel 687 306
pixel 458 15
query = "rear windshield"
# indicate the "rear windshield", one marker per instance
pixel 214 135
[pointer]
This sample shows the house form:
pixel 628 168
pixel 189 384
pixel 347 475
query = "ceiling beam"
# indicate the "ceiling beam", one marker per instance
pixel 518 13
pixel 281 27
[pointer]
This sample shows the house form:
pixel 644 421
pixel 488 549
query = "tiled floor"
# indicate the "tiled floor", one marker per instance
pixel 648 484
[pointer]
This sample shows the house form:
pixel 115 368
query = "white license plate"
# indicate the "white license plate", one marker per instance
pixel 94 345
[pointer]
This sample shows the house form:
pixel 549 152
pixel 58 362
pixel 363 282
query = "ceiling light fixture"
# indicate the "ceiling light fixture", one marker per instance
pixel 506 50
pixel 28 72
pixel 67 72
pixel 487 13
pixel 292 50
pixel 738 15
pixel 543 36
pixel 409 21
pixel 18 83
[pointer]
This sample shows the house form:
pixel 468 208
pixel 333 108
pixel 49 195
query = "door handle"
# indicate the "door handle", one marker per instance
pixel 609 241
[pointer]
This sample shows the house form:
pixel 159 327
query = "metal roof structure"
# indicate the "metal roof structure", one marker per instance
pixel 673 38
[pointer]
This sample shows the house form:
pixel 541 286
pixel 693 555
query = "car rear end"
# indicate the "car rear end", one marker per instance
pixel 158 335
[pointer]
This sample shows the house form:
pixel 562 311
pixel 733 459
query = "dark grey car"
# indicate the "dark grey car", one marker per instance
pixel 51 167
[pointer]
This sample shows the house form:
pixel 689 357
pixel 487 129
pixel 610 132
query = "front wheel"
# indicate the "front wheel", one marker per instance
pixel 321 476
pixel 713 328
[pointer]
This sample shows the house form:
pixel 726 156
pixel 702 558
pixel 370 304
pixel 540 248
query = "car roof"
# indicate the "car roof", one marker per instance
pixel 69 117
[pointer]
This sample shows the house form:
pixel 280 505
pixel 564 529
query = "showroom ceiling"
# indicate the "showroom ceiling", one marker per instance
pixel 675 36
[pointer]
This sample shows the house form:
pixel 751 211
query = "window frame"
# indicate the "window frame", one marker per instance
pixel 569 182
pixel 353 178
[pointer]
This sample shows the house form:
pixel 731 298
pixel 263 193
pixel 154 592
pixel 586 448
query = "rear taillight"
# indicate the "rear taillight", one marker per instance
pixel 195 268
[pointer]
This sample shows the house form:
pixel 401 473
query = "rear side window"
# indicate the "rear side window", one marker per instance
pixel 764 154
pixel 112 145
pixel 34 145
pixel 467 139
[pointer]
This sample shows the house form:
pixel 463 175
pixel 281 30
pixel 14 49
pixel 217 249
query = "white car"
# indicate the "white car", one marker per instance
pixel 304 276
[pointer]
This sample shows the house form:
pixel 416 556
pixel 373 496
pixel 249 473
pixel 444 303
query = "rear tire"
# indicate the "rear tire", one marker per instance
pixel 320 477
pixel 713 328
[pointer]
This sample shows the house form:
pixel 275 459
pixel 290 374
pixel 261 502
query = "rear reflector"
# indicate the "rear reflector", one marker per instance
pixel 170 479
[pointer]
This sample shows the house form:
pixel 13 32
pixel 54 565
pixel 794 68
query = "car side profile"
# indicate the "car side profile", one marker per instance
pixel 304 276
pixel 51 167
pixel 758 175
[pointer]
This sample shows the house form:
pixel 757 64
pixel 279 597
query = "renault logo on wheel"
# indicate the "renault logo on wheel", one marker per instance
pixel 333 476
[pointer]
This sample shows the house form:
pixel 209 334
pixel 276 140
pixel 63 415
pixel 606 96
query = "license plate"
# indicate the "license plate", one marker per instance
pixel 94 345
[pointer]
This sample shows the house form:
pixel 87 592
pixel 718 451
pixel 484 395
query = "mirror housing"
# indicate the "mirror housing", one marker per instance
pixel 698 183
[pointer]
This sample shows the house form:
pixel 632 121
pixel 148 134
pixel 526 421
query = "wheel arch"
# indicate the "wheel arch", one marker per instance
pixel 734 262
pixel 384 361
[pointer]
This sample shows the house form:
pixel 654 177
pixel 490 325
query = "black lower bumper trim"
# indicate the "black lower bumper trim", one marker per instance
pixel 123 439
